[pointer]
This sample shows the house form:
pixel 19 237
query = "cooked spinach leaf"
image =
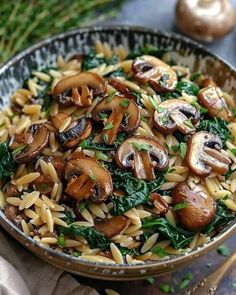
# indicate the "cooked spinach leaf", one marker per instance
pixel 215 126
pixel 179 237
pixel 187 87
pixel 94 238
pixel 7 164
pixel 92 61
pixel 149 50
pixel 137 197
pixel 222 217
pixel 118 73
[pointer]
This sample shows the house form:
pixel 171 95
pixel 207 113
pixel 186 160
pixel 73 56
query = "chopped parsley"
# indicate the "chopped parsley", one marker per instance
pixel 19 149
pixel 108 126
pixel 110 96
pixel 182 148
pixel 166 288
pixel 199 107
pixel 233 151
pixel 180 206
pixel 125 103
pixel 141 146
pixel 100 156
pixel 82 206
pixel 223 250
pixel 151 281
pixel 61 241
pixel 103 116
pixel 159 251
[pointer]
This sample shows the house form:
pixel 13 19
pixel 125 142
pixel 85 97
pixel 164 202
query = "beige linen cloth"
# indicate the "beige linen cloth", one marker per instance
pixel 22 273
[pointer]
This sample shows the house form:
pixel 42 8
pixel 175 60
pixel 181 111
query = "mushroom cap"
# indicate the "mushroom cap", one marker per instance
pixel 142 154
pixel 75 132
pixel 150 69
pixel 123 118
pixel 203 154
pixel 200 206
pixel 80 87
pixel 205 20
pixel 211 97
pixel 40 135
pixel 92 179
pixel 176 114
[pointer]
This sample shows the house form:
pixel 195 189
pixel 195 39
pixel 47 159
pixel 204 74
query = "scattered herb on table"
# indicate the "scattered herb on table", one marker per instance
pixel 166 288
pixel 223 250
pixel 186 281
pixel 151 281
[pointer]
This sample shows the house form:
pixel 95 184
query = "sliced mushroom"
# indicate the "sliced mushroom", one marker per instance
pixel 160 76
pixel 44 184
pixel 197 207
pixel 123 117
pixel 79 89
pixel 87 179
pixel 111 227
pixel 19 140
pixel 203 154
pixel 12 191
pixel 40 136
pixel 143 155
pixel 211 97
pixel 77 130
pixel 122 88
pixel 161 207
pixel 13 214
pixel 176 114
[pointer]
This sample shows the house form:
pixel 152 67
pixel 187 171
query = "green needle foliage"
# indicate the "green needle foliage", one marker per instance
pixel 23 22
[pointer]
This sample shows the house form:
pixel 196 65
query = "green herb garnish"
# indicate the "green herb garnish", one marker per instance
pixel 101 156
pixel 159 251
pixel 180 206
pixel 103 116
pixel 7 164
pixel 223 250
pixel 166 288
pixel 125 103
pixel 61 240
pixel 141 146
pixel 151 281
pixel 19 149
pixel 82 206
pixel 110 96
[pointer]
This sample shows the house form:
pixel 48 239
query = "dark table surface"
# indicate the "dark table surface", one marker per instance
pixel 160 14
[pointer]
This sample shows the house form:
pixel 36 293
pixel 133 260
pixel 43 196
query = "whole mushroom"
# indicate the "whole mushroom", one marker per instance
pixel 211 97
pixel 87 180
pixel 203 154
pixel 195 208
pixel 159 75
pixel 143 155
pixel 205 20
pixel 79 89
pixel 176 114
pixel 124 115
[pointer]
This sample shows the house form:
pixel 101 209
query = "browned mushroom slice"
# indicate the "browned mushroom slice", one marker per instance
pixel 161 207
pixel 40 136
pixel 111 227
pixel 195 208
pixel 176 114
pixel 160 76
pixel 125 116
pixel 87 179
pixel 203 154
pixel 143 155
pixel 79 89
pixel 122 88
pixel 19 140
pixel 77 130
pixel 13 214
pixel 211 97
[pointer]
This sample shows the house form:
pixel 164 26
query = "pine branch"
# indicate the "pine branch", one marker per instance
pixel 24 22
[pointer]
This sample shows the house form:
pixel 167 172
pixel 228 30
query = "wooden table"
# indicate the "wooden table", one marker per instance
pixel 160 14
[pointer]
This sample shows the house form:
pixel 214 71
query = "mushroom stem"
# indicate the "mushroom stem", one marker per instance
pixel 143 168
pixel 109 135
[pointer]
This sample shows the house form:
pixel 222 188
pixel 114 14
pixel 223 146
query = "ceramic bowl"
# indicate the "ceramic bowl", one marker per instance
pixel 43 54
